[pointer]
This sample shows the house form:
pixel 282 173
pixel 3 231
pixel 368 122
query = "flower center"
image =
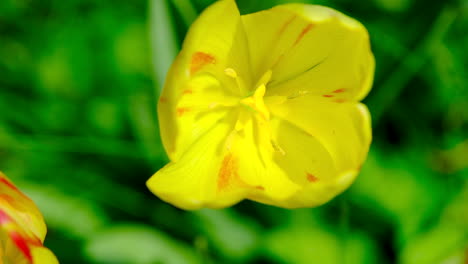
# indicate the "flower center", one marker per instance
pixel 254 102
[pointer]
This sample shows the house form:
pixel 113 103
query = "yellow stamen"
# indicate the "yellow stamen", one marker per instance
pixel 231 73
pixel 256 102
pixel 266 77
pixel 239 81
pixel 241 121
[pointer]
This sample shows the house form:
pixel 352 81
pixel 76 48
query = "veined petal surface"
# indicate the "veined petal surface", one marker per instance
pixel 310 49
pixel 324 144
pixel 214 43
pixel 221 168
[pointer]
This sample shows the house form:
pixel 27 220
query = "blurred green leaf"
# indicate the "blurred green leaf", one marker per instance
pixel 435 245
pixel 315 244
pixel 143 119
pixel 104 116
pixel 446 238
pixel 394 187
pixel 63 67
pixel 72 215
pixel 163 39
pixel 394 5
pixel 394 84
pixel 130 49
pixel 186 10
pixel 232 235
pixel 137 244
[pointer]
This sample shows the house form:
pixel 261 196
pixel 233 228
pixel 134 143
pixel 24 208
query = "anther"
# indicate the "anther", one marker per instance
pixel 231 73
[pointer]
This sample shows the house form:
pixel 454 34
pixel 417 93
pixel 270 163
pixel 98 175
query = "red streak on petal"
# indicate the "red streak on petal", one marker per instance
pixel 8 183
pixel 162 99
pixel 286 24
pixel 11 186
pixel 22 244
pixel 199 60
pixel 339 90
pixel 182 110
pixel 312 178
pixel 303 32
pixel 327 95
pixel 259 187
pixel 227 172
pixel 4 218
pixel 340 101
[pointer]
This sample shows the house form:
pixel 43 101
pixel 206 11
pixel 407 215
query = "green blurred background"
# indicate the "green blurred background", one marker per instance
pixel 79 134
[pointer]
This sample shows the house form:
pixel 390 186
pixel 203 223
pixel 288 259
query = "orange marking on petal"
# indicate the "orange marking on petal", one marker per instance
pixel 286 24
pixel 312 178
pixel 7 198
pixel 22 244
pixel 162 99
pixel 182 110
pixel 187 91
pixel 340 100
pixel 327 95
pixel 278 60
pixel 228 171
pixel 259 187
pixel 199 60
pixel 303 32
pixel 339 90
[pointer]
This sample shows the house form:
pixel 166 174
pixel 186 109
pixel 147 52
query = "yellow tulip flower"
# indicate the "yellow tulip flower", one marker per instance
pixel 22 228
pixel 265 106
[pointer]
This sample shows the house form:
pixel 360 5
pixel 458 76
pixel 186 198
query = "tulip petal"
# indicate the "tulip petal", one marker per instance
pixel 214 43
pixel 22 228
pixel 265 107
pixel 42 255
pixel 324 144
pixel 320 192
pixel 192 181
pixel 301 155
pixel 343 129
pixel 223 167
pixel 310 49
pixel 197 110
pixel 266 180
pixel 20 208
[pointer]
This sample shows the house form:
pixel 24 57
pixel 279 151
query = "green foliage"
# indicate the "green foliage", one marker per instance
pixel 79 81
pixel 133 243
pixel 233 236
